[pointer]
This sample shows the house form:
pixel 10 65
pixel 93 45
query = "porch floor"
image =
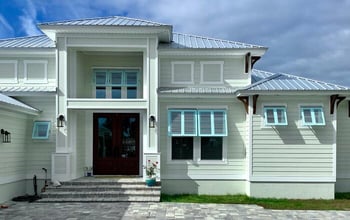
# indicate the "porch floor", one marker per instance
pixel 103 189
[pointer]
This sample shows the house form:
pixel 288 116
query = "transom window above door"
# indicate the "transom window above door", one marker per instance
pixel 116 84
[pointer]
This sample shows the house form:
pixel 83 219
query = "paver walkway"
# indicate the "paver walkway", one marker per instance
pixel 123 210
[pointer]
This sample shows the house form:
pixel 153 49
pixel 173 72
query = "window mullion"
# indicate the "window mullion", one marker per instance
pixel 275 116
pixel 212 122
pixel 182 123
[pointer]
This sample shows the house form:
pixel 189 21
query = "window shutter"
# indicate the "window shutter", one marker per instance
pixel 212 123
pixel 182 123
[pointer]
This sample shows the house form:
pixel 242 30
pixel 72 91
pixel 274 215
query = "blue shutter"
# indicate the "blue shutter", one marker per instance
pixel 212 123
pixel 182 123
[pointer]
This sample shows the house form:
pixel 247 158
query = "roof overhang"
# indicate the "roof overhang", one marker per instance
pixel 163 32
pixel 292 92
pixel 258 52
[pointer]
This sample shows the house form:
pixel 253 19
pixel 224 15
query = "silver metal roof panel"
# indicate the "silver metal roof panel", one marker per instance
pixel 196 90
pixel 26 89
pixel 105 21
pixel 267 81
pixel 41 41
pixel 184 41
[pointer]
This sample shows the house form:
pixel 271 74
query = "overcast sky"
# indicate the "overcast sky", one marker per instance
pixel 310 38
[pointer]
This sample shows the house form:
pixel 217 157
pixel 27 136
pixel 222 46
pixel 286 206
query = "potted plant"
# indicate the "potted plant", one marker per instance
pixel 151 168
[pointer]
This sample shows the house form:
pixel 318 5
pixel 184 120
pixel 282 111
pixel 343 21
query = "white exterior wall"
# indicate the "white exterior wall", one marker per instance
pixel 199 176
pixel 292 153
pixel 233 70
pixel 343 148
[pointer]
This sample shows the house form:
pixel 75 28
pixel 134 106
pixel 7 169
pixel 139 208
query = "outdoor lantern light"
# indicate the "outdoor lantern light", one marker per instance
pixel 152 121
pixel 60 121
pixel 6 136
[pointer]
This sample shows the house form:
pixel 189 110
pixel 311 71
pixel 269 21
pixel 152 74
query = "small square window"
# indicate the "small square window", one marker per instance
pixel 275 116
pixel 311 116
pixel 41 130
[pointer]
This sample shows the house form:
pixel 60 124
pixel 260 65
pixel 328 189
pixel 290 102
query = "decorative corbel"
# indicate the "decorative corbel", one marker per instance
pixel 245 100
pixel 247 60
pixel 335 99
pixel 255 99
pixel 254 59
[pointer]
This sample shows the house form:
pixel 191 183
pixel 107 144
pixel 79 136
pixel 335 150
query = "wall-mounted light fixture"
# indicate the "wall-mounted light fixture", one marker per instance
pixel 6 136
pixel 152 121
pixel 60 121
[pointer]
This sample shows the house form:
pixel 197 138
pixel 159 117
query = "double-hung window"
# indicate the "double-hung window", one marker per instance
pixel 275 115
pixel 116 84
pixel 312 115
pixel 201 129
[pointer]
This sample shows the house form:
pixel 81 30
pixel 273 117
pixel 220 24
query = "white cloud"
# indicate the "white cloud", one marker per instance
pixel 5 28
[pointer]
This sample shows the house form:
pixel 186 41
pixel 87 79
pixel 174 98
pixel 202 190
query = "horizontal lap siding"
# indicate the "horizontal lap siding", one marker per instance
pixel 13 155
pixel 343 141
pixel 235 166
pixel 292 150
pixel 39 151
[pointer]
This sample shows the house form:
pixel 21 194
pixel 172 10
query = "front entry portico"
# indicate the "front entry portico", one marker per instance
pixel 116 143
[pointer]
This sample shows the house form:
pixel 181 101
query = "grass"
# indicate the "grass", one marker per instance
pixel 341 201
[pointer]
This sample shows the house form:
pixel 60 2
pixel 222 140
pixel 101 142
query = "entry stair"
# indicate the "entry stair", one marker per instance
pixel 92 189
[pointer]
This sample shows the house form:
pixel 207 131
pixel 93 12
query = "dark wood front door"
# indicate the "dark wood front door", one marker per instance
pixel 116 144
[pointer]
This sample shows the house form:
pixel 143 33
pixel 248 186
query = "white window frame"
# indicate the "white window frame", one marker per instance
pixel 221 63
pixel 275 107
pixel 15 74
pixel 26 62
pixel 197 139
pixel 313 117
pixel 173 63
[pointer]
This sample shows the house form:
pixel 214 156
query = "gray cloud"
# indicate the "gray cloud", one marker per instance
pixel 308 38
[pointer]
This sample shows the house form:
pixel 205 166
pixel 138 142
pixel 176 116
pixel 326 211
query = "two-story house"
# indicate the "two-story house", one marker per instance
pixel 112 93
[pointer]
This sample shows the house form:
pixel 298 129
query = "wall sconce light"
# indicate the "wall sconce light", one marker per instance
pixel 6 136
pixel 60 121
pixel 152 121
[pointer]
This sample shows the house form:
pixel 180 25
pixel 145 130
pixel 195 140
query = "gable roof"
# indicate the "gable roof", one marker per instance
pixel 104 21
pixel 188 41
pixel 267 81
pixel 41 41
pixel 14 104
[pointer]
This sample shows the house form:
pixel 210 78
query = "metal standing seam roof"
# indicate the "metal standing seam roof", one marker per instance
pixel 41 41
pixel 285 82
pixel 105 21
pixel 11 101
pixel 184 41
pixel 197 90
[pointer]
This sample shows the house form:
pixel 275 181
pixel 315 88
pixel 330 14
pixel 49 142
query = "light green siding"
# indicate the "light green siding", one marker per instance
pixel 292 150
pixel 233 168
pixel 343 148
pixel 233 74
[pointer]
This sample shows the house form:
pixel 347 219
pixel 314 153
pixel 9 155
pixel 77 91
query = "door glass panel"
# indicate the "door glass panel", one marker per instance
pixel 116 92
pixel 128 137
pixel 104 137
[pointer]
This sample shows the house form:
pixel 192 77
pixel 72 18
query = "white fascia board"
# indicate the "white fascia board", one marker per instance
pixel 33 52
pixel 210 51
pixel 295 92
pixel 10 107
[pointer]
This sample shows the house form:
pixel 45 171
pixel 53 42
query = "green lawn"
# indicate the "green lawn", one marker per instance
pixel 342 201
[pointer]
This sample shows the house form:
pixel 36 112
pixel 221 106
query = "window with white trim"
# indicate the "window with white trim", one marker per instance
pixel 182 72
pixel 8 71
pixel 204 129
pixel 212 72
pixel 35 71
pixel 275 115
pixel 116 84
pixel 312 115
pixel 41 130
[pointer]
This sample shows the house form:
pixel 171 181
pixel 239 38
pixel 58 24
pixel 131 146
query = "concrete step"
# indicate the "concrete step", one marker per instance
pixel 102 190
